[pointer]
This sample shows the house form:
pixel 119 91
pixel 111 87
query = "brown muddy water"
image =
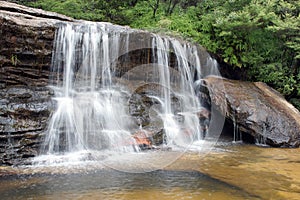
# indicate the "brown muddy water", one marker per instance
pixel 236 171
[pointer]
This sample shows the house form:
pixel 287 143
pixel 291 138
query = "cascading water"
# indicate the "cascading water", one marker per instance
pixel 183 89
pixel 92 103
pixel 90 111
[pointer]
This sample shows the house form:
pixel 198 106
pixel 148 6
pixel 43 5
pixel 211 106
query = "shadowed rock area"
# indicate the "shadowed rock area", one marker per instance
pixel 258 110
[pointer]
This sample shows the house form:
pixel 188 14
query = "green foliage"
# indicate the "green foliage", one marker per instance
pixel 296 102
pixel 262 36
pixel 93 10
pixel 78 9
pixel 14 60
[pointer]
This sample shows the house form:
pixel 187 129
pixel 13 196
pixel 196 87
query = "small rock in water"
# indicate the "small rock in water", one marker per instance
pixel 142 139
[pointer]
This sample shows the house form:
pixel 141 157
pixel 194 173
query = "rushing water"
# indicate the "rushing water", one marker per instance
pixel 90 112
pixel 91 99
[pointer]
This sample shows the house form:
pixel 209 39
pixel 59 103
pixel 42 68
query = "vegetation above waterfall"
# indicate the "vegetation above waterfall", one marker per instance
pixel 261 37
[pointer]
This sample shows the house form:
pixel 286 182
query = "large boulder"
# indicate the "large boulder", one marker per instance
pixel 256 109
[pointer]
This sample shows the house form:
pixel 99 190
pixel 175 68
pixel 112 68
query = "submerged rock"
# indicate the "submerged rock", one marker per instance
pixel 258 110
pixel 143 139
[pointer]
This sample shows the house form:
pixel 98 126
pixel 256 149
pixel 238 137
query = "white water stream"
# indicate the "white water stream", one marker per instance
pixel 92 106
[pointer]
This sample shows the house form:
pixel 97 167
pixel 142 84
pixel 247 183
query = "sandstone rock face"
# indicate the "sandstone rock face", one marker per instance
pixel 258 110
pixel 25 57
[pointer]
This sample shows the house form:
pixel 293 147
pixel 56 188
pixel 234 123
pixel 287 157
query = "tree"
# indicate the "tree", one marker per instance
pixel 154 5
pixel 171 4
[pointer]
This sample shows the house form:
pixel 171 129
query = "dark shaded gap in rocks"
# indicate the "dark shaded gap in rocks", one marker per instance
pixel 227 133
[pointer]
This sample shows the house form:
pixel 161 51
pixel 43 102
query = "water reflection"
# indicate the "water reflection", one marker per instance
pixel 110 184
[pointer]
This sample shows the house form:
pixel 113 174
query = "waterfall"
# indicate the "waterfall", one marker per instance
pixel 92 100
pixel 183 89
pixel 90 112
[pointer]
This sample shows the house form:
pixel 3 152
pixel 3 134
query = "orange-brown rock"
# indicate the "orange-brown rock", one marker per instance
pixel 142 138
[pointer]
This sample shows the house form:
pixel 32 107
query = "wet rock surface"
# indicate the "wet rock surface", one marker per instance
pixel 23 116
pixel 258 110
pixel 25 100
